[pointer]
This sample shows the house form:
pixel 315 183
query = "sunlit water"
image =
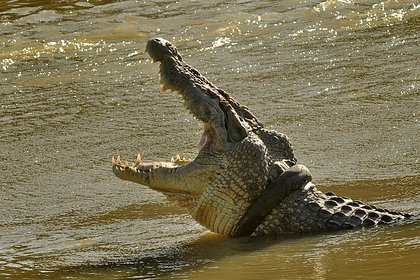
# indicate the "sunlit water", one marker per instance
pixel 340 78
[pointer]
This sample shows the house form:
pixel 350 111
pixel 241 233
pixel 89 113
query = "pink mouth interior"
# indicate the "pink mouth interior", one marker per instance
pixel 204 139
pixel 178 161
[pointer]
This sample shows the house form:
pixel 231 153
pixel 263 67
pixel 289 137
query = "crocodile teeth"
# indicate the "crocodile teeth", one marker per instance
pixel 116 161
pixel 163 88
pixel 175 159
pixel 138 159
pixel 180 160
pixel 163 91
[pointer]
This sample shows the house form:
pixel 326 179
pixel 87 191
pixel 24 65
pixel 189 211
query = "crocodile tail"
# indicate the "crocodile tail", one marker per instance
pixel 344 213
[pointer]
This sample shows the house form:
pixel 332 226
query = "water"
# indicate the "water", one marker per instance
pixel 341 78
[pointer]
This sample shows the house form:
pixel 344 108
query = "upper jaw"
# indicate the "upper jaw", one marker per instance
pixel 222 125
pixel 159 48
pixel 205 101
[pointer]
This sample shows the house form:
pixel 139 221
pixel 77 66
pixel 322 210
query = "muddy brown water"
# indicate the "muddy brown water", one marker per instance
pixel 340 78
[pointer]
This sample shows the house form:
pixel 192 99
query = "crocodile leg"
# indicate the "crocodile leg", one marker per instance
pixel 290 180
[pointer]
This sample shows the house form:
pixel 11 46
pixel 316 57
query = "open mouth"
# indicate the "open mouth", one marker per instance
pixel 203 100
pixel 205 142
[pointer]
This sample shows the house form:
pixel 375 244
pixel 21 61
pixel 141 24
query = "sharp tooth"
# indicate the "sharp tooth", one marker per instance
pixel 138 159
pixel 164 89
pixel 114 162
pixel 119 160
pixel 126 165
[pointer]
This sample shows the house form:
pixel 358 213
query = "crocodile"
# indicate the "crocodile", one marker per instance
pixel 245 179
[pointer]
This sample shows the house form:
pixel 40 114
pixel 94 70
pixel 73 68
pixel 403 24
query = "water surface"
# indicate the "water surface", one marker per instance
pixel 340 78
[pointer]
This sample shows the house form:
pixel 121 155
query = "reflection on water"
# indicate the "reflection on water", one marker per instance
pixel 339 77
pixel 371 253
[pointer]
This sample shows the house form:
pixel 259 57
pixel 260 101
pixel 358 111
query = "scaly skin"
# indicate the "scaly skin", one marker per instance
pixel 245 179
